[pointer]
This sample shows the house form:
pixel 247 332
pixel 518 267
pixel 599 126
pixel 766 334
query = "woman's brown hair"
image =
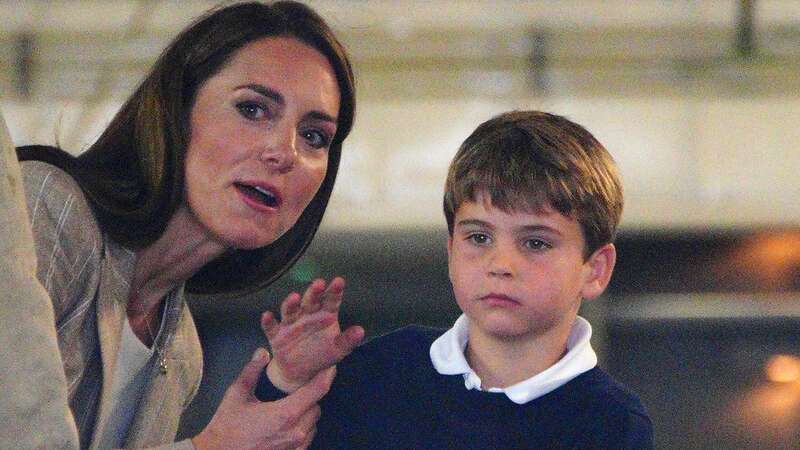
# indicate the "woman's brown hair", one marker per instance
pixel 133 174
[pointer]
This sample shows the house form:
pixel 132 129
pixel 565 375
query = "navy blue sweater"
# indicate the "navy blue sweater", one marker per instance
pixel 387 395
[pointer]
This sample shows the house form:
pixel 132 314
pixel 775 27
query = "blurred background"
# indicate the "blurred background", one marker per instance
pixel 698 101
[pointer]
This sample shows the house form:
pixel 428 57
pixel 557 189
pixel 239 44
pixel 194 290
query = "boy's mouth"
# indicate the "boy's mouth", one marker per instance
pixel 499 299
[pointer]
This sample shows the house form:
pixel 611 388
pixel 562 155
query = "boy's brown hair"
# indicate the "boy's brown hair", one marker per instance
pixel 529 160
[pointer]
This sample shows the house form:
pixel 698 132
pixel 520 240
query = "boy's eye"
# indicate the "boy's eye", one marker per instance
pixel 251 110
pixel 479 238
pixel 536 244
pixel 316 138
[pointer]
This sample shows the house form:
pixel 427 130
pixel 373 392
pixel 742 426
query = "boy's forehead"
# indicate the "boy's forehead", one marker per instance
pixel 511 205
pixel 483 204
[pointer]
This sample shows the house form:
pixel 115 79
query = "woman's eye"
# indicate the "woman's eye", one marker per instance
pixel 316 138
pixel 478 238
pixel 251 110
pixel 536 244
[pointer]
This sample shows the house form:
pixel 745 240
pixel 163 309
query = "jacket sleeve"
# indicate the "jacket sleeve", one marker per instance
pixel 35 411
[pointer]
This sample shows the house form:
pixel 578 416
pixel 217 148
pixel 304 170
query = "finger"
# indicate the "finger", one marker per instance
pixel 308 421
pixel 290 308
pixel 269 325
pixel 310 393
pixel 332 297
pixel 345 342
pixel 302 430
pixel 246 381
pixel 312 298
pixel 349 339
pixel 309 439
pixel 308 426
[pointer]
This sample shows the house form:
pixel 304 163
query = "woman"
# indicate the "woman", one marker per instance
pixel 213 177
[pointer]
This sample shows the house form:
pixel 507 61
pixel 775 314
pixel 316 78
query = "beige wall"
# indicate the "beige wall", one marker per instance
pixel 685 162
pixel 704 136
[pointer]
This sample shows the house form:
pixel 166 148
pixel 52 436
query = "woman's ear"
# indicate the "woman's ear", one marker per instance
pixel 597 271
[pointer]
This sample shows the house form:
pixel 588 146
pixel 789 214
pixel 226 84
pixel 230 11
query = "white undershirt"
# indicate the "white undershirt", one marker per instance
pixel 130 375
pixel 447 355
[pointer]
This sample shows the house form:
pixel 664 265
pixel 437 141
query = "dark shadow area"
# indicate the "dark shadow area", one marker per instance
pixel 704 383
pixel 718 261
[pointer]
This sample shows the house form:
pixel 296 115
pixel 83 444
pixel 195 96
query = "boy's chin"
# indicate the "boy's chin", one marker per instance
pixel 505 328
pixel 510 327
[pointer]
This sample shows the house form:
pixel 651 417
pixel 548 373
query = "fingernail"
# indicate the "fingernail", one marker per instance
pixel 259 354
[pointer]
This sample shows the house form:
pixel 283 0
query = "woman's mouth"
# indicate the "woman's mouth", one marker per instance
pixel 260 197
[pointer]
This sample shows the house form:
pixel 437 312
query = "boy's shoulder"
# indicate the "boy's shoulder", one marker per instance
pixel 609 410
pixel 405 348
pixel 408 334
pixel 605 392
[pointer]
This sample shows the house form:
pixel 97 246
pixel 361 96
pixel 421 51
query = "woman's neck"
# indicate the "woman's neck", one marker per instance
pixel 180 252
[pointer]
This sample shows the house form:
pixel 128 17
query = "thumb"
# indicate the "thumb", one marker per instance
pixel 246 382
pixel 313 391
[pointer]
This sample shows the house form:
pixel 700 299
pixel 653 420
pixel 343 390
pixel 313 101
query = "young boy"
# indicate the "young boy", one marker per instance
pixel 532 203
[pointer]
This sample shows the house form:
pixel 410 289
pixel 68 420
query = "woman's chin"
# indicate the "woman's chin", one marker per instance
pixel 252 240
pixel 246 236
pixel 250 243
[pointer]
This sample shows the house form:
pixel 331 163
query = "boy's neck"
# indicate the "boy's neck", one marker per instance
pixel 503 362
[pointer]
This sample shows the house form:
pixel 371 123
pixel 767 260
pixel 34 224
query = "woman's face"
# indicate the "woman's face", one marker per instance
pixel 260 132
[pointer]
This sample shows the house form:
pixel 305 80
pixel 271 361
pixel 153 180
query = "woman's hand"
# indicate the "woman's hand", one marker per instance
pixel 308 339
pixel 242 421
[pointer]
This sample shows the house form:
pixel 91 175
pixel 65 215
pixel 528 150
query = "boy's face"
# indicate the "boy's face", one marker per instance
pixel 522 274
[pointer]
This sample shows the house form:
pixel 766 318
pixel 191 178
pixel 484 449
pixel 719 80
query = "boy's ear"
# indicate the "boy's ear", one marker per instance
pixel 449 250
pixel 598 269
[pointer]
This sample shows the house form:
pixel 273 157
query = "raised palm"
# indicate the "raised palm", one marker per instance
pixel 308 338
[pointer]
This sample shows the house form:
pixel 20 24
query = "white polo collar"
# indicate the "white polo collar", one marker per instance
pixel 447 355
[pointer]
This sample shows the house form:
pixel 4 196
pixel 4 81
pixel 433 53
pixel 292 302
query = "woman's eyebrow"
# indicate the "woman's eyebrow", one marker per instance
pixel 277 97
pixel 265 91
pixel 319 115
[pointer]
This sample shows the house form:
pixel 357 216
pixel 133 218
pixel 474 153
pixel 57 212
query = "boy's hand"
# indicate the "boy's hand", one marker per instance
pixel 308 339
pixel 242 421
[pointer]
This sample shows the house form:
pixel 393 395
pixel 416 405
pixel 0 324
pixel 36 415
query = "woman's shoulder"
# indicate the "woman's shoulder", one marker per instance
pixel 68 240
pixel 53 193
pixel 46 175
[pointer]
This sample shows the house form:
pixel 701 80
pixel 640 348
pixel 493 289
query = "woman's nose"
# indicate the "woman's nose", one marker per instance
pixel 280 149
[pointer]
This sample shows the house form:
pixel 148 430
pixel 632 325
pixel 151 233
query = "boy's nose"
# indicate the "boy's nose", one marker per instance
pixel 279 150
pixel 501 264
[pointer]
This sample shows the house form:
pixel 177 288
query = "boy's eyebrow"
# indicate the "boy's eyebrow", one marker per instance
pixel 523 228
pixel 278 98
pixel 474 222
pixel 539 228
